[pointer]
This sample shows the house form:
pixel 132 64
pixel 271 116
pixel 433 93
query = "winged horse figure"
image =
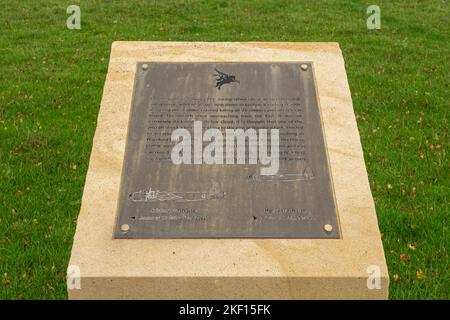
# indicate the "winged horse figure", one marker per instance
pixel 223 78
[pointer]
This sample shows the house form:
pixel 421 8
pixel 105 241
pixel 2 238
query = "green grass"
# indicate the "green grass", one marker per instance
pixel 51 82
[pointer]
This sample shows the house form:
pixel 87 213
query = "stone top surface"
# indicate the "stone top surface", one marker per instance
pixel 99 255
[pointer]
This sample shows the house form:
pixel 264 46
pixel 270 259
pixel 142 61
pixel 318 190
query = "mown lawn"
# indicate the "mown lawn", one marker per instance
pixel 51 82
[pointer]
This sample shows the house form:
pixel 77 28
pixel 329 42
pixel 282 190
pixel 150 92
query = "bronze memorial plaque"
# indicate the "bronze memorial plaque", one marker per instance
pixel 226 150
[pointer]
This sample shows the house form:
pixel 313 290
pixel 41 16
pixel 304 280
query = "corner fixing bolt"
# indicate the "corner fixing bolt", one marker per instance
pixel 125 228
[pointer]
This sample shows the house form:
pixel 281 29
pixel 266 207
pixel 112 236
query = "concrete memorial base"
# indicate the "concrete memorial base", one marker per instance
pixel 350 267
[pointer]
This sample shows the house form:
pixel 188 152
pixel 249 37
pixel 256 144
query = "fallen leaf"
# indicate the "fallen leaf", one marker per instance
pixel 404 257
pixel 420 274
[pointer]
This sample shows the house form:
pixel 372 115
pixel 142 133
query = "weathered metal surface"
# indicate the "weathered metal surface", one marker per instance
pixel 160 199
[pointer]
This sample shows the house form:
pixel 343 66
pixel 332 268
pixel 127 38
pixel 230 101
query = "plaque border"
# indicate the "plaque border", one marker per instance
pixel 121 235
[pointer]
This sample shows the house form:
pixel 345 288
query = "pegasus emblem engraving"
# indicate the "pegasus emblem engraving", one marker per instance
pixel 223 78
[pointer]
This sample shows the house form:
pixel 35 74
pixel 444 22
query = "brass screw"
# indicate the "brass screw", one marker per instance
pixel 328 228
pixel 125 227
pixel 304 66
